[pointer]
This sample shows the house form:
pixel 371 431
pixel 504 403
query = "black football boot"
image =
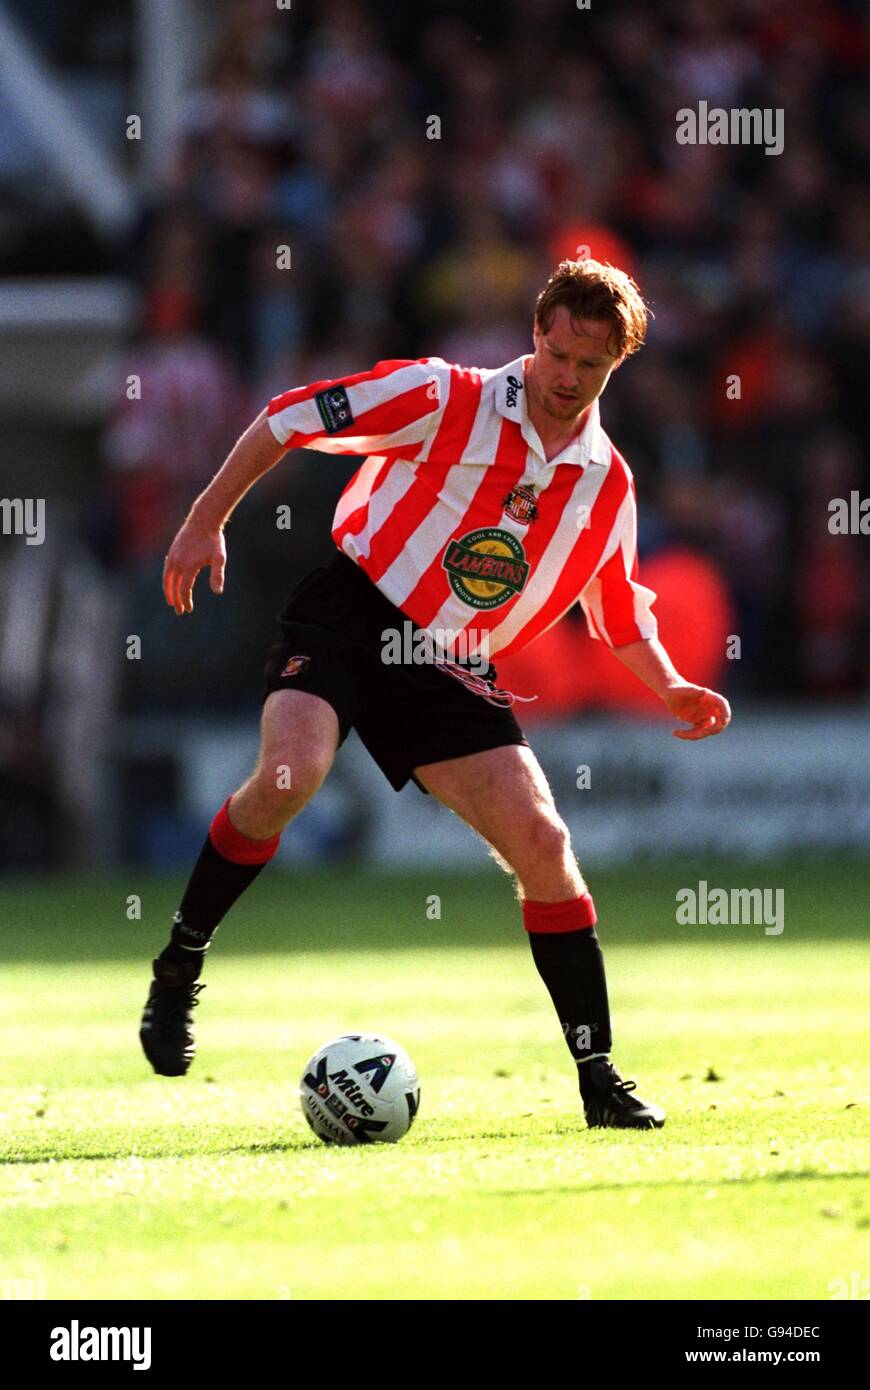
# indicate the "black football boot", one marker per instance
pixel 609 1102
pixel 166 1031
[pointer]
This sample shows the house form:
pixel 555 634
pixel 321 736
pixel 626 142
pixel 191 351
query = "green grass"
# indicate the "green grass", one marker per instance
pixel 115 1183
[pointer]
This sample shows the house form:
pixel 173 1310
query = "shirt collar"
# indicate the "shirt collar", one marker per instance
pixel 590 446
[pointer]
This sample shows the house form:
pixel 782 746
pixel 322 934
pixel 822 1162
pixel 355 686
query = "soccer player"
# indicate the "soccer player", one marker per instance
pixel 489 502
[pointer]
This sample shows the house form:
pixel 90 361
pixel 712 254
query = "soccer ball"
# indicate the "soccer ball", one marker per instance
pixel 360 1088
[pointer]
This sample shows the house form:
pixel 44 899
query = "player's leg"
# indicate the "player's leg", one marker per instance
pixel 299 737
pixel 504 795
pixel 298 740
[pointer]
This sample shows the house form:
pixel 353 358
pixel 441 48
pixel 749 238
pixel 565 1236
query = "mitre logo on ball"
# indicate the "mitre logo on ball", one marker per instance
pixel 365 1073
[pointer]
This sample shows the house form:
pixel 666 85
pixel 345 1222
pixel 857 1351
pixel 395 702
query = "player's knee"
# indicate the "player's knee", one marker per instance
pixel 288 782
pixel 546 843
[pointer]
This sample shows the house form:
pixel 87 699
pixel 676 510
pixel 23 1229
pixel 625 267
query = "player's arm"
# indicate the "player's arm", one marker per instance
pixel 395 406
pixel 200 542
pixel 618 611
pixel 707 712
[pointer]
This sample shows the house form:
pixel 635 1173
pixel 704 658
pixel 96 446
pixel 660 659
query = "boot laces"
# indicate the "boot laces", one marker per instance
pixel 176 1001
pixel 617 1082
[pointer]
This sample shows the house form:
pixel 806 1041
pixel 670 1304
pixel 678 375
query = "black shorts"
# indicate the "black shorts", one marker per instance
pixel 331 639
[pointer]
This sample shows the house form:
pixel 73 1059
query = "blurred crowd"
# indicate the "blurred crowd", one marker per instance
pixel 423 167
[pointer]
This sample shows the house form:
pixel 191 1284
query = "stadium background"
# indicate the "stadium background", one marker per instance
pixel 154 252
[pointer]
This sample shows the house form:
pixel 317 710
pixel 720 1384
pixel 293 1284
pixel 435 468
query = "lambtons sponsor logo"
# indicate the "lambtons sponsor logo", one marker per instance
pixel 487 567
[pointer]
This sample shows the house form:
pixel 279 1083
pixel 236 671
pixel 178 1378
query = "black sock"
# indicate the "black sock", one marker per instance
pixel 571 965
pixel 214 886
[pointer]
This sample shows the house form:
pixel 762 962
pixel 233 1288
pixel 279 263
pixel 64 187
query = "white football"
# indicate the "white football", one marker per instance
pixel 360 1088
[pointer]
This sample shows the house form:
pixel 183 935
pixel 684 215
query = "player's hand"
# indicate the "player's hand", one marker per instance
pixel 193 548
pixel 706 711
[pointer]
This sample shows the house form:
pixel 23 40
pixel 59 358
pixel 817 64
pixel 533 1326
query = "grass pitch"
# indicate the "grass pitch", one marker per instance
pixel 115 1183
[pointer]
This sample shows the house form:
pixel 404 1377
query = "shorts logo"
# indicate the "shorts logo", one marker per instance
pixel 486 568
pixel 334 407
pixel 295 665
pixel 521 504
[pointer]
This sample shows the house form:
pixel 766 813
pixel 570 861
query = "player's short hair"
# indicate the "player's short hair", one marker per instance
pixel 596 290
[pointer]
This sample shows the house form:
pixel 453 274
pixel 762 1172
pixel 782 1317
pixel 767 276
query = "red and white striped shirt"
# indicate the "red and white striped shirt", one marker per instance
pixel 457 516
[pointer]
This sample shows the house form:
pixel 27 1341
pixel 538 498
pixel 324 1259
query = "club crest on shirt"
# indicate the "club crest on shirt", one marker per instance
pixel 487 567
pixel 295 665
pixel 521 504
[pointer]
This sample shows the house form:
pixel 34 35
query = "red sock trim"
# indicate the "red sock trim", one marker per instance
pixel 233 845
pixel 573 915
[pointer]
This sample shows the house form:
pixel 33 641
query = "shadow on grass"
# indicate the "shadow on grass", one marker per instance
pixel 167 1143
pixel 305 1145
pixel 751 1180
pixel 156 1146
